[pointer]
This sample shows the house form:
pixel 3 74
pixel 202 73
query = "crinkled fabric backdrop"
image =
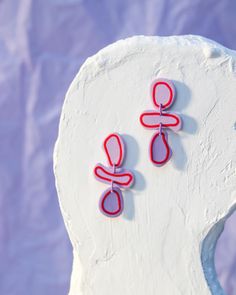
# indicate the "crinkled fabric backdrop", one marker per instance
pixel 42 45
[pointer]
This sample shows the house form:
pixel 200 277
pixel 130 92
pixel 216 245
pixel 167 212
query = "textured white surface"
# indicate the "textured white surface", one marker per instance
pixel 156 245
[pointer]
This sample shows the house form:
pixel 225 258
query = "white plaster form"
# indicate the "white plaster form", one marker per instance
pixel 174 214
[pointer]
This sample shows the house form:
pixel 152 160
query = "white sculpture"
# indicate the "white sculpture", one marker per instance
pixel 174 214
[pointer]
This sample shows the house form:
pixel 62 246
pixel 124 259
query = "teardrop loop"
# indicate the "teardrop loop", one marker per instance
pixel 111 202
pixel 159 149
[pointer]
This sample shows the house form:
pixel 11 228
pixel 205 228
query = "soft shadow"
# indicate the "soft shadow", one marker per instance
pixel 189 125
pixel 179 157
pixel 183 96
pixel 131 160
pixel 208 255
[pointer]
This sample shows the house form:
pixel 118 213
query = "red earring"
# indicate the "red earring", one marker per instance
pixel 111 202
pixel 163 95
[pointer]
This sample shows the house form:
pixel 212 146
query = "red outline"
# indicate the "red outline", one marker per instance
pixel 158 114
pixel 119 203
pixel 170 87
pixel 167 147
pixel 114 175
pixel 121 146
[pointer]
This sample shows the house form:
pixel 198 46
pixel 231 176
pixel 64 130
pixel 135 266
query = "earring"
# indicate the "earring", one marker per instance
pixel 163 95
pixel 111 201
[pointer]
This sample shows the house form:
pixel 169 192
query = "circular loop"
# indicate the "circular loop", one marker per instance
pixel 163 93
pixel 112 182
pixel 160 128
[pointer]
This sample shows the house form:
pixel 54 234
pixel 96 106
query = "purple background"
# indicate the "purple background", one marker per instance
pixel 42 45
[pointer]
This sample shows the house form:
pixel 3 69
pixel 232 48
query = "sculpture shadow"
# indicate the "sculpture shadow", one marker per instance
pixel 208 254
pixel 183 97
pixel 139 183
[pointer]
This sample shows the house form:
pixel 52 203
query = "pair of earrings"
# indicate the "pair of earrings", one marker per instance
pixel 111 201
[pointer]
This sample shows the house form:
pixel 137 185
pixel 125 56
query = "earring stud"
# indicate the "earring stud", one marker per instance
pixel 111 201
pixel 163 95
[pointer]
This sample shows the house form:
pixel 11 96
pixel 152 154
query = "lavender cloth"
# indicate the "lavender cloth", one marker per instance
pixel 42 45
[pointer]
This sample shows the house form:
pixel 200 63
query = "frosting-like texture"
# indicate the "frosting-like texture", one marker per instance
pixel 173 215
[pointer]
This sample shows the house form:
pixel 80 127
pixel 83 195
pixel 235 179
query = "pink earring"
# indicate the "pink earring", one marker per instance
pixel 111 201
pixel 163 95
